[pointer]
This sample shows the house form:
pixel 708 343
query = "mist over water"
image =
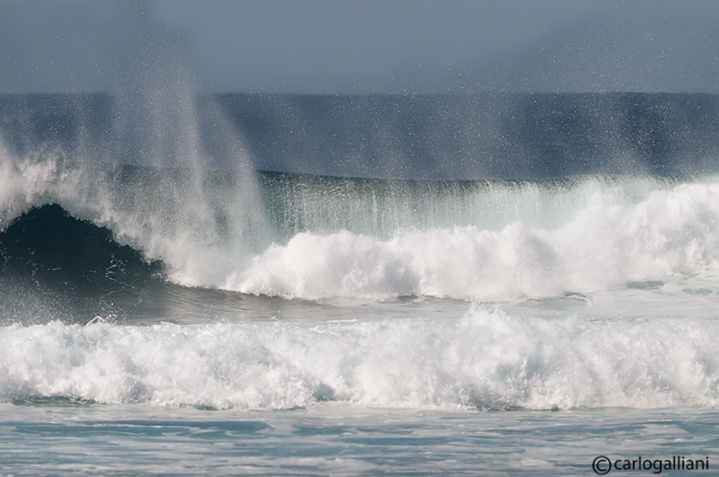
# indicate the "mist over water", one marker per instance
pixel 354 283
pixel 68 150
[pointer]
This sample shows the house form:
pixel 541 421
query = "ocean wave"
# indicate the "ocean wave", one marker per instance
pixel 488 241
pixel 606 238
pixel 485 360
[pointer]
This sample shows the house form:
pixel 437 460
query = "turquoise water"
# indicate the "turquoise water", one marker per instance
pixel 62 437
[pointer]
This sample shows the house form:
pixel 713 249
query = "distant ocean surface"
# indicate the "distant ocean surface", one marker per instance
pixel 358 285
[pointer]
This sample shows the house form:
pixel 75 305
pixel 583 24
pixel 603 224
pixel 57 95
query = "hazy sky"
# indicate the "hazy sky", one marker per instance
pixel 363 46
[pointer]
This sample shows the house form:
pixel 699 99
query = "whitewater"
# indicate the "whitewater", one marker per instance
pixel 160 291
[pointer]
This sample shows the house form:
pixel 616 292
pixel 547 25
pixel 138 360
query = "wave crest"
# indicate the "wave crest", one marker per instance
pixel 609 241
pixel 485 360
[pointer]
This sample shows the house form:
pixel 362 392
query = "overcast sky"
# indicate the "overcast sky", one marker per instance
pixel 363 46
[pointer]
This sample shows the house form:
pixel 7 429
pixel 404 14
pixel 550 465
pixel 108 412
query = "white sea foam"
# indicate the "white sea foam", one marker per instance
pixel 610 239
pixel 486 360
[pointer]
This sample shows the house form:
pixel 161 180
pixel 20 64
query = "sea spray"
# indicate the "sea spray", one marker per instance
pixel 143 170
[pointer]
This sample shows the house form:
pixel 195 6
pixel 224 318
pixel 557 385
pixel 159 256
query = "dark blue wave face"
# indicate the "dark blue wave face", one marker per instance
pixel 54 266
pixel 68 264
pixel 53 246
pixel 507 136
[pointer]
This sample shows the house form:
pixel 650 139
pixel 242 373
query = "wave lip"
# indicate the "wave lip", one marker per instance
pixel 485 360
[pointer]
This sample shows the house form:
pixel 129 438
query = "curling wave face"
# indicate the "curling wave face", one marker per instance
pixel 330 237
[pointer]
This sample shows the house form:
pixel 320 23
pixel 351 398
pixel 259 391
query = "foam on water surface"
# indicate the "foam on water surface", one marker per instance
pixel 485 359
